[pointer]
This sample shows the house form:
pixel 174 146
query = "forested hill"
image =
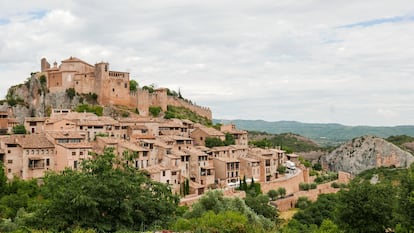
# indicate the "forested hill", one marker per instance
pixel 323 134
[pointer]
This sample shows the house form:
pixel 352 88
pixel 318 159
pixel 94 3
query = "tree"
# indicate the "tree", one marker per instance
pixel 3 180
pixel 273 194
pixel 215 202
pixel 133 85
pixel 366 207
pixel 19 129
pixel 213 142
pixel 107 194
pixel 281 191
pixel 70 92
pixel 260 205
pixel 155 111
pixel 405 201
pixel 229 139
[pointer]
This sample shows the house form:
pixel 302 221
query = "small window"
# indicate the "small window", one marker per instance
pixel 163 173
pixel 80 152
pixel 47 162
pixel 9 151
pixel 75 164
pixel 9 170
pixel 73 153
pixel 10 161
pixel 113 89
pixel 126 85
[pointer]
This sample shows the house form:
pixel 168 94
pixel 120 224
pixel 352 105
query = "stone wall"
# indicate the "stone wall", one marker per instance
pixel 290 184
pixel 289 202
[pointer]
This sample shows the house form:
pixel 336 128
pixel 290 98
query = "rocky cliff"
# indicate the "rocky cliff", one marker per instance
pixel 32 98
pixel 365 153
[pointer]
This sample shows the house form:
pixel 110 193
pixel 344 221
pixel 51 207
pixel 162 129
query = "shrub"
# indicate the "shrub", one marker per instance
pixel 304 186
pixel 303 203
pixel 313 186
pixel 155 111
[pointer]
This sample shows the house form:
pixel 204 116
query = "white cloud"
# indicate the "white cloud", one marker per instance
pixel 273 60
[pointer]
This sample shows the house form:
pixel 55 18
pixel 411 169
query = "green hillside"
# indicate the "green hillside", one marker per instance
pixel 323 134
pixel 287 141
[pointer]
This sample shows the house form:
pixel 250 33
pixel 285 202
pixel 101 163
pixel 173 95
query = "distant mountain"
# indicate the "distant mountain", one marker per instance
pixel 365 153
pixel 323 134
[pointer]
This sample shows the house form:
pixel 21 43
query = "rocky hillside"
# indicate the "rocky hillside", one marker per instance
pixel 365 153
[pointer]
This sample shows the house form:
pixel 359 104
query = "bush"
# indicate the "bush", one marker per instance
pixel 335 185
pixel 98 110
pixel 281 169
pixel 313 186
pixel 304 186
pixel 19 129
pixel 155 111
pixel 303 203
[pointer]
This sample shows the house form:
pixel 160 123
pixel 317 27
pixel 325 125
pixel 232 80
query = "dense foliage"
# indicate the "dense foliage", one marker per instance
pixel 106 195
pixel 19 129
pixel 364 206
pixel 287 141
pixel 323 134
pixel 216 213
pixel 133 85
pixel 213 142
pixel 155 110
pixel 96 109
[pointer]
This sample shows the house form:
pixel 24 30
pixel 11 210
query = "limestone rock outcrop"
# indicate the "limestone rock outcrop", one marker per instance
pixel 365 153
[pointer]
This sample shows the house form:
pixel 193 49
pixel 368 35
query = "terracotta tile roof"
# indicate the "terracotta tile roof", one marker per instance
pixel 132 146
pixel 108 140
pixel 34 141
pixel 194 152
pixel 249 159
pixel 65 134
pixel 37 119
pixel 227 160
pixel 75 59
pixel 159 168
pixel 80 145
pixel 211 131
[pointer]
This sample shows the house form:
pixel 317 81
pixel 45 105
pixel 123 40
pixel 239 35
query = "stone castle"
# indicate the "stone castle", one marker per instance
pixel 111 87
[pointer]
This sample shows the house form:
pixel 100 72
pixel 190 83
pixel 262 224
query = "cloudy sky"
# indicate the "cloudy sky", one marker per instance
pixel 348 62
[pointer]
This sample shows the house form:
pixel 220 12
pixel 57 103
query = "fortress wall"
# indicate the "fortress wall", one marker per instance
pixel 142 102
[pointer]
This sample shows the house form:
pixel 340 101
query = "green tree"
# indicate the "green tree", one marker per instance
pixel 303 203
pixel 19 129
pixel 229 139
pixel 273 194
pixel 70 92
pixel 405 201
pixel 366 207
pixel 260 205
pixel 155 111
pixel 133 85
pixel 107 194
pixel 213 142
pixel 3 180
pixel 281 191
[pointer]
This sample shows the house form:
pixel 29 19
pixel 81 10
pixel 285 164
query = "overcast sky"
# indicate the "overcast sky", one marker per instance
pixel 336 61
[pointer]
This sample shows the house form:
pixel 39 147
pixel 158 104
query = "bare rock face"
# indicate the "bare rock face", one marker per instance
pixel 365 153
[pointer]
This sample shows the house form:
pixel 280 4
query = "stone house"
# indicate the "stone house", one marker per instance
pixel 200 133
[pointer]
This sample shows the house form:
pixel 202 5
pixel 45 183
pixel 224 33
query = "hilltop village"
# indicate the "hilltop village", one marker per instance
pixel 172 151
